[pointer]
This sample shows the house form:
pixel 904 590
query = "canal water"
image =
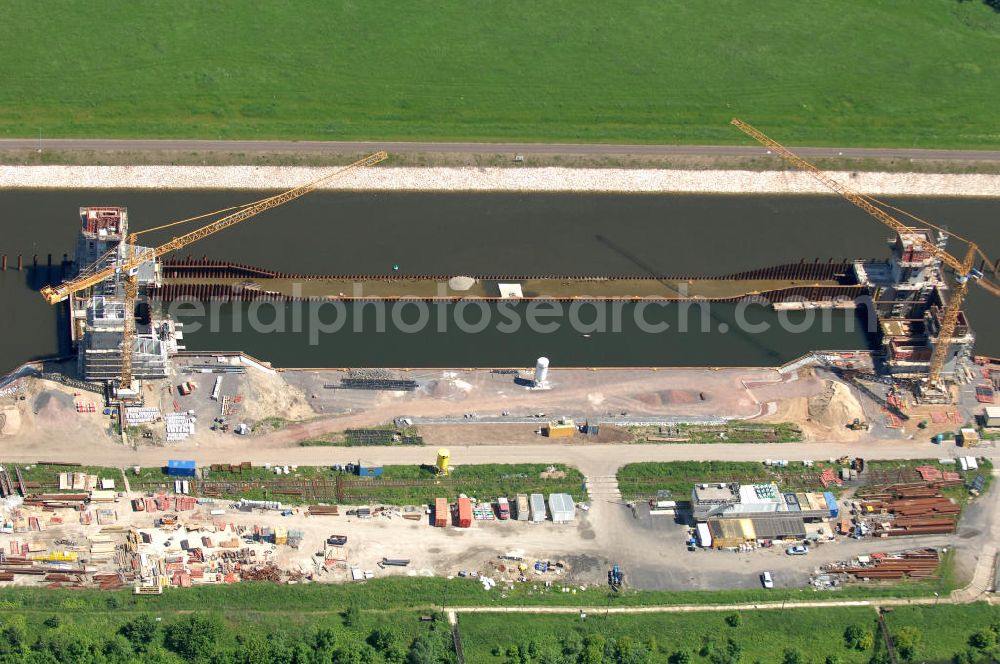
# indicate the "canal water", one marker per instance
pixel 518 234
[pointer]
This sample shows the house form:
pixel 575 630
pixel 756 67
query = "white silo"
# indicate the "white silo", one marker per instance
pixel 541 371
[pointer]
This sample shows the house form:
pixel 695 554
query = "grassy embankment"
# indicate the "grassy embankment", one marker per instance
pixel 485 481
pixel 647 71
pixel 420 593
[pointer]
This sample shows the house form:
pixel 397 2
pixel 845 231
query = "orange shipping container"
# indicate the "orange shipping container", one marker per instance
pixel 464 513
pixel 440 512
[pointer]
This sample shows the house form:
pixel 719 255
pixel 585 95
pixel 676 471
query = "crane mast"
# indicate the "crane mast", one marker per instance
pixel 964 269
pixel 130 259
pixel 55 294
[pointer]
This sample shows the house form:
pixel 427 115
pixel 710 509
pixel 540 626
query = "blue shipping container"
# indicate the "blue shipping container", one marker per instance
pixel 370 471
pixel 178 468
pixel 831 502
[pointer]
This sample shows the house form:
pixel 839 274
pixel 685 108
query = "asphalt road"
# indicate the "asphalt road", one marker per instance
pixel 319 147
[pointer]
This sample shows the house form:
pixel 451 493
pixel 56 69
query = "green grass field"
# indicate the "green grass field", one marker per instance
pixel 856 72
pixel 922 634
pixel 762 636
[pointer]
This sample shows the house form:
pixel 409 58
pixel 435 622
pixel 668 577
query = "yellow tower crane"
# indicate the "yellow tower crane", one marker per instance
pixel 964 270
pixel 128 261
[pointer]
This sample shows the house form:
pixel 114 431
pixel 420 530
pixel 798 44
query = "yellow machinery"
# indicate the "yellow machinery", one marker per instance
pixel 443 461
pixel 128 264
pixel 964 271
pixel 56 556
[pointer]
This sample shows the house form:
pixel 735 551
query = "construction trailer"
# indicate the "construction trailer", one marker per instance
pixel 464 512
pixel 562 508
pixel 991 416
pixel 368 471
pixel 441 513
pixel 537 508
pixel 522 507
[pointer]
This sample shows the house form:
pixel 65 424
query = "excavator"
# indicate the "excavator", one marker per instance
pixel 129 258
pixel 965 271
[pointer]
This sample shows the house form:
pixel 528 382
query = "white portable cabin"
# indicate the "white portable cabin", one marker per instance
pixel 561 507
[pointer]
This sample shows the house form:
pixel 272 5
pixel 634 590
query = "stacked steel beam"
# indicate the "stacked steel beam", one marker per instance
pixel 921 563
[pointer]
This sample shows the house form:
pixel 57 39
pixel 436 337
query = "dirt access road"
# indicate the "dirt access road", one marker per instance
pixel 314 147
pixel 593 460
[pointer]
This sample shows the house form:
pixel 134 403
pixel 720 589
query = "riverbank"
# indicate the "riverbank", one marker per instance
pixel 438 179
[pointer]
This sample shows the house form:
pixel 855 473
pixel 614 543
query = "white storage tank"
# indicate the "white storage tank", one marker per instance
pixel 541 370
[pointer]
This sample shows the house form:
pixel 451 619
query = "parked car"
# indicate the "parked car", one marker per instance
pixel 766 580
pixel 797 550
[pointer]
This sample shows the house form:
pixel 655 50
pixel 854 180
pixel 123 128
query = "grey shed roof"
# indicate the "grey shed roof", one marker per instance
pixel 784 527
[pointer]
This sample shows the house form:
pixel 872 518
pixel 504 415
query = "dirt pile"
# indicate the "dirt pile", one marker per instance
pixel 835 407
pixel 268 395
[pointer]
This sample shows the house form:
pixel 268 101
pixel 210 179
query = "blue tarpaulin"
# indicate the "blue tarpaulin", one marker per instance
pixel 178 468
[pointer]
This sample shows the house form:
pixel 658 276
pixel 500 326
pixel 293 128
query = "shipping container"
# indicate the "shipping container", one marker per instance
pixel 177 468
pixel 441 513
pixel 370 471
pixel 538 513
pixel 464 513
pixel 561 507
pixel 831 503
pixel 521 507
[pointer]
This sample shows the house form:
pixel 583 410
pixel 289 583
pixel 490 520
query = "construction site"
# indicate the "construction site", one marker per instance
pixel 152 528
pixel 218 468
